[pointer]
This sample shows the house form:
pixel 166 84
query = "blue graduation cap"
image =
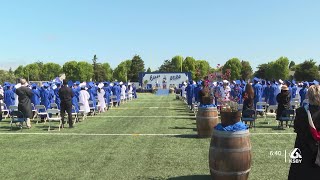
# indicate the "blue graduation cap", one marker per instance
pixel 34 85
pixel 77 83
pixel 305 83
pixel 7 84
pixel 315 82
pixel 90 84
pixel 263 82
pixel 46 85
pixel 238 82
pixel 255 79
pixel 268 83
pixel 293 82
pixel 288 82
pixel 70 83
pixel 58 84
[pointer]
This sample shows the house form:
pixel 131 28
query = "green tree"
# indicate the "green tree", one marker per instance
pixel 278 69
pixel 261 72
pixel 149 70
pixel 291 65
pixel 202 69
pixel 176 62
pixel 96 69
pixel 32 72
pixel 71 71
pixel 85 71
pixel 50 71
pixel 167 66
pixel 246 70
pixel 234 65
pixel 108 71
pixel 307 71
pixel 120 73
pixel 7 76
pixel 189 65
pixel 137 65
pixel 19 72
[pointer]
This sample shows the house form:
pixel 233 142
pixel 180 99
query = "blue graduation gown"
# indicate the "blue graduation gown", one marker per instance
pixel 75 99
pixel 134 91
pixel 196 93
pixel 294 91
pixel 303 93
pixel 266 92
pixel 35 99
pixel 107 94
pixel 93 93
pixel 8 97
pixel 46 97
pixel 273 95
pixel 57 100
pixel 190 93
pixel 257 94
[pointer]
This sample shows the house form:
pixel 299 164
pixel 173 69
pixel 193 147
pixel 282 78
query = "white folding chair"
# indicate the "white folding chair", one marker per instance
pixel 262 109
pixel 92 108
pixel 296 99
pixel 54 106
pixel 34 111
pixel 41 112
pixel 75 114
pixel 294 104
pixel 53 115
pixel 240 107
pixel 271 112
pixel 13 108
pixel 5 111
pixel 114 100
pixel 81 111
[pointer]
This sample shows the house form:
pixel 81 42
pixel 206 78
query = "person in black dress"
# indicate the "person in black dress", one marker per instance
pixel 66 95
pixel 283 99
pixel 24 96
pixel 248 96
pixel 307 145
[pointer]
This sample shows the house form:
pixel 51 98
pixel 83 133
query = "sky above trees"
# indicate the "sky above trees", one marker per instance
pixel 216 31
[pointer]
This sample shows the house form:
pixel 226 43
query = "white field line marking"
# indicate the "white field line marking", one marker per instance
pixel 135 134
pixel 143 116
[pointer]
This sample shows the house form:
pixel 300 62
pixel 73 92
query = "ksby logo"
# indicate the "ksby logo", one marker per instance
pixel 295 156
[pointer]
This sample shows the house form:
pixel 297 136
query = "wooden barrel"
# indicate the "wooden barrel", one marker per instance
pixel 207 118
pixel 230 155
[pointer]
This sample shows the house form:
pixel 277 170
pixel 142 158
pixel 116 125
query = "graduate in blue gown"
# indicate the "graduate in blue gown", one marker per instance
pixel 257 92
pixel 35 99
pixel 93 93
pixel 197 89
pixel 51 90
pixel 273 93
pixel 8 95
pixel 107 94
pixel 303 92
pixel 56 94
pixel 294 89
pixel 134 91
pixel 75 98
pixel 190 93
pixel 237 92
pixel 46 97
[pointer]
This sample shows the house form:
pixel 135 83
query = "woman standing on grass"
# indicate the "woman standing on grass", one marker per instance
pixel 101 99
pixel 306 143
pixel 283 99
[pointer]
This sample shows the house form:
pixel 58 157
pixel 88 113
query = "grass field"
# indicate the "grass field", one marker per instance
pixel 153 137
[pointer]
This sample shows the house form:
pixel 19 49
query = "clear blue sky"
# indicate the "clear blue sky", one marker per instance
pixel 63 30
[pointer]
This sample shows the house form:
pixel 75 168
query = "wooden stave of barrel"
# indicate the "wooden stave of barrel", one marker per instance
pixel 230 155
pixel 207 119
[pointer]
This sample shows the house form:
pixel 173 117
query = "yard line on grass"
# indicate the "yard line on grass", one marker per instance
pixel 145 116
pixel 134 134
pixel 89 134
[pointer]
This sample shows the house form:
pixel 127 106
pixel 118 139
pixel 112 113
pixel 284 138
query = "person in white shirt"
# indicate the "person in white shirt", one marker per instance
pixel 84 99
pixel 130 91
pixel 101 99
pixel 123 92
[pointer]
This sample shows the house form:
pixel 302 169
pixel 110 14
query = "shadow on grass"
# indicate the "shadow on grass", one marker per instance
pixel 192 177
pixel 176 127
pixel 188 136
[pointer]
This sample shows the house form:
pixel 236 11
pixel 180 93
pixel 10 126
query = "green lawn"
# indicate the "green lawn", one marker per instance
pixel 109 146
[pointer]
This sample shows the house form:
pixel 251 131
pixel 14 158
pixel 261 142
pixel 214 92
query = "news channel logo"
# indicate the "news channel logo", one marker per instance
pixel 293 156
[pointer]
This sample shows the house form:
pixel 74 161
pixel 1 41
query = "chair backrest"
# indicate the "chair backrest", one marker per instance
pixel 240 107
pixel 13 108
pixel 3 106
pixel 32 106
pixel 249 113
pixel 53 111
pixel 288 113
pixel 272 108
pixel 296 99
pixel 53 106
pixel 262 104
pixel 306 101
pixel 41 107
pixel 17 114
